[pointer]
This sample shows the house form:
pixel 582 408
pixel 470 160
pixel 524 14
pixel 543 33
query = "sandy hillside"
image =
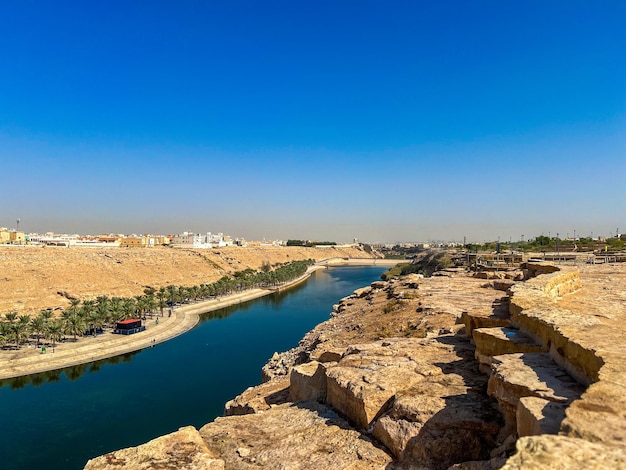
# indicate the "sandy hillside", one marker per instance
pixel 32 278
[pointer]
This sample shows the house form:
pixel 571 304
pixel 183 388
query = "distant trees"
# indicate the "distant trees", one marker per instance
pixel 308 243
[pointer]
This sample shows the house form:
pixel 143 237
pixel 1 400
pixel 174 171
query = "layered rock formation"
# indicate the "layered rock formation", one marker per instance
pixel 392 380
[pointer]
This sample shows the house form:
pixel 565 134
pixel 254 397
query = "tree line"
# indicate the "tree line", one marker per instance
pixel 308 243
pixel 549 243
pixel 92 316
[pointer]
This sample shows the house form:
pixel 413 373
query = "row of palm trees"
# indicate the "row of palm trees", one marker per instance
pixel 92 316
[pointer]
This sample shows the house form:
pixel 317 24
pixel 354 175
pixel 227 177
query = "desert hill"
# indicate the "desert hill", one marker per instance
pixel 34 278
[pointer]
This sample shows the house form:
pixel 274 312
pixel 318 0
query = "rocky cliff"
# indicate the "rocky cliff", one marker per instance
pixel 453 371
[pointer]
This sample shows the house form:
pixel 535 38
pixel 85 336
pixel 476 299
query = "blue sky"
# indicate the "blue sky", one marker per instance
pixel 386 121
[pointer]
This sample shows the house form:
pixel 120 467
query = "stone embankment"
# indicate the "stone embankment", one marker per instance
pixel 393 381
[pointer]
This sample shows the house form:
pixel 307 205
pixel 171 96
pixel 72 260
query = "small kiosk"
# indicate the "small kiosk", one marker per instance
pixel 129 327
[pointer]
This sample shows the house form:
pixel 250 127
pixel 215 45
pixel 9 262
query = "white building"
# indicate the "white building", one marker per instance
pixel 201 241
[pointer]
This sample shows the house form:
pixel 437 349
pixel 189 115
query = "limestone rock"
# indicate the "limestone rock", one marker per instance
pixel 421 397
pixel 259 398
pixel 326 353
pixel 305 436
pixel 503 284
pixel 183 449
pixel 550 452
pixel 439 425
pixel 280 364
pixel 362 292
pixel 537 416
pixel 600 414
pixel 308 382
pixel 495 315
pixel 497 341
pixel 529 375
pixel 368 376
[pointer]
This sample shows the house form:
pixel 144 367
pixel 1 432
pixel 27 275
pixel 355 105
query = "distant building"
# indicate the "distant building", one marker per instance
pixel 201 241
pixel 12 237
pixel 144 241
pixel 133 242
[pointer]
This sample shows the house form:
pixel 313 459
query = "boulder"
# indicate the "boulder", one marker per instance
pixel 536 416
pixel 308 382
pixel 420 397
pixel 259 398
pixel 359 293
pixel 497 341
pixel 529 375
pixel 550 452
pixel 326 353
pixel 439 425
pixel 497 314
pixel 503 284
pixel 307 435
pixel 183 449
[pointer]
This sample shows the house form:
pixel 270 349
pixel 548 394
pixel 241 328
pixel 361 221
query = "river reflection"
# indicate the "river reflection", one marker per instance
pixel 72 373
pixel 275 300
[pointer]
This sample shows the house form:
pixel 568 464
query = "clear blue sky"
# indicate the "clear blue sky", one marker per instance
pixel 386 121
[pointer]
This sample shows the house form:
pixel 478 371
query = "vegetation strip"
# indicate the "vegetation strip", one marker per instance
pixel 93 317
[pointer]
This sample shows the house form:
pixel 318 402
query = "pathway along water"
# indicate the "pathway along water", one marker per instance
pixel 60 419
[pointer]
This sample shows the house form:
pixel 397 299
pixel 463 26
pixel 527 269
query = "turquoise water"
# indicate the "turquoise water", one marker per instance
pixel 61 419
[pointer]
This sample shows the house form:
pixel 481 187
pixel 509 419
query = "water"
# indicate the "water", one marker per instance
pixel 60 419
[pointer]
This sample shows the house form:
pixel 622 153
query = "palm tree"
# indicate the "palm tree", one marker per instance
pixel 55 330
pixel 103 313
pixel 182 294
pixel 74 303
pixel 46 315
pixel 161 296
pixel 11 317
pixel 171 290
pixel 193 293
pixel 74 325
pixel 6 334
pixel 150 303
pixel 128 308
pixel 86 312
pixel 115 309
pixel 21 328
pixel 38 325
pixel 92 320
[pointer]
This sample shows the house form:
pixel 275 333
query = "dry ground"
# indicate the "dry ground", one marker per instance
pixel 34 278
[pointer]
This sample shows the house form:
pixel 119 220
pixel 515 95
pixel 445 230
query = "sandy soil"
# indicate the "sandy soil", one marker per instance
pixel 35 278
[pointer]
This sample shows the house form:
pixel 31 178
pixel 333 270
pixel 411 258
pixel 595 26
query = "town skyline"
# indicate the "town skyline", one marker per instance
pixel 573 235
pixel 410 121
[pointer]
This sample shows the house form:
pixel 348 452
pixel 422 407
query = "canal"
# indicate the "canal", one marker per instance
pixel 60 419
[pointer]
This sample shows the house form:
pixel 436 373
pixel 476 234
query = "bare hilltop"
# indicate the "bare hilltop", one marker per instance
pixel 34 278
